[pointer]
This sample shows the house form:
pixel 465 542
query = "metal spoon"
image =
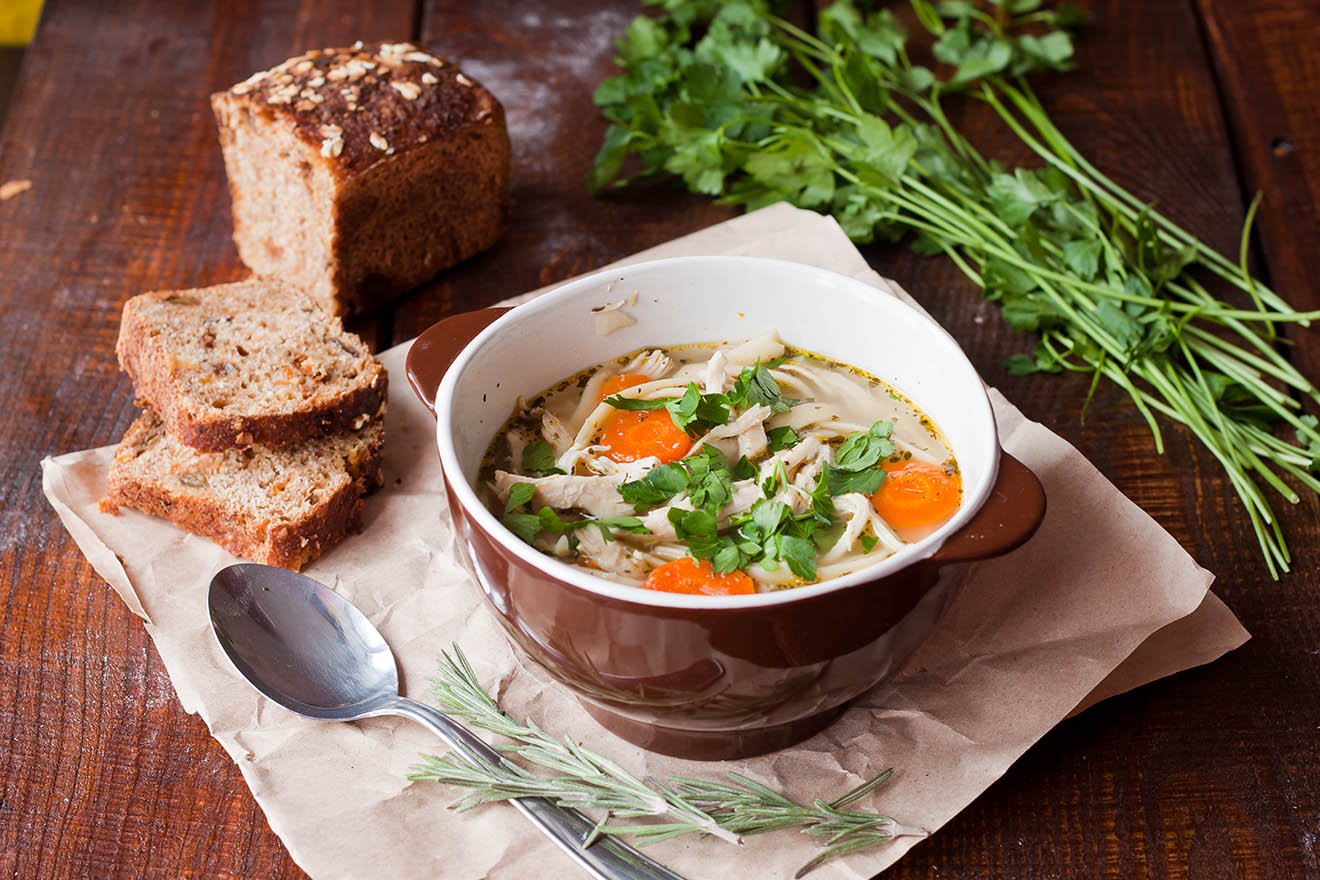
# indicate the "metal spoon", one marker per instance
pixel 310 650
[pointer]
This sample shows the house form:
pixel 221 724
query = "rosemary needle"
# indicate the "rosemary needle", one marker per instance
pixel 584 779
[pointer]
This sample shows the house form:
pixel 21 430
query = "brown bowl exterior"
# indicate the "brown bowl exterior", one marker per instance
pixel 708 683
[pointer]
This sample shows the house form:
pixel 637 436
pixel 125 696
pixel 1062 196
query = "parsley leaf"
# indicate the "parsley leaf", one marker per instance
pixel 755 385
pixel 659 485
pixel 539 458
pixel 744 469
pixel 862 449
pixel 783 437
pixel 519 494
pixel 841 482
pixel 635 404
pixel 525 525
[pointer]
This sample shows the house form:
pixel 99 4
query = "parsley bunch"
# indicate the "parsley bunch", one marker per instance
pixel 711 92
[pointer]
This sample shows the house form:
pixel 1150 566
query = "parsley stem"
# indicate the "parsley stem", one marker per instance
pixel 1110 284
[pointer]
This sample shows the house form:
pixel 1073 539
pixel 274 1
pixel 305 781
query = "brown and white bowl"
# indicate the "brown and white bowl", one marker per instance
pixel 714 676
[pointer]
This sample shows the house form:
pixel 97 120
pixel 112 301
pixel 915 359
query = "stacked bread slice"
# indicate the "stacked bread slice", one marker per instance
pixel 264 419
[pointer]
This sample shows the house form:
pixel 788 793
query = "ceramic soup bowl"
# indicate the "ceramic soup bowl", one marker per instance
pixel 714 676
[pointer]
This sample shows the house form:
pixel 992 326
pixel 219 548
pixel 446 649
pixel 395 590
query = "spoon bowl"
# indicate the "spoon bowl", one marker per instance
pixel 301 644
pixel 313 652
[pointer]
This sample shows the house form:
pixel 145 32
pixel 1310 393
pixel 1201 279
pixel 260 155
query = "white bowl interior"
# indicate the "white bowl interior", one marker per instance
pixel 708 299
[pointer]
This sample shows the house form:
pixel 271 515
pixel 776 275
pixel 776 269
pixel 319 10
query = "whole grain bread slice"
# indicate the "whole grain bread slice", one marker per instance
pixel 249 362
pixel 284 506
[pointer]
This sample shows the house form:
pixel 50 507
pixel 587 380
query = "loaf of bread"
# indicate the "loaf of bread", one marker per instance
pixel 359 173
pixel 282 506
pixel 248 362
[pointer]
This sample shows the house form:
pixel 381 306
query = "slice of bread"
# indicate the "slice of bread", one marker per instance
pixel 283 506
pixel 248 362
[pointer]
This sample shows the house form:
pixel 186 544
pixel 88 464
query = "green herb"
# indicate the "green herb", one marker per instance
pixel 841 482
pixel 712 483
pixel 783 437
pixel 744 105
pixel 636 404
pixel 583 779
pixel 692 409
pixel 552 522
pixel 755 385
pixel 744 469
pixel 539 458
pixel 868 542
pixel 519 494
pixel 777 480
pixel 659 485
pixel 705 475
pixel 527 525
pixel 864 449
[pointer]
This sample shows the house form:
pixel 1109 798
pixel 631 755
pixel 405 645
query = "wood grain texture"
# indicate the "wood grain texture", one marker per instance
pixel 102 774
pixel 1265 56
pixel 1214 773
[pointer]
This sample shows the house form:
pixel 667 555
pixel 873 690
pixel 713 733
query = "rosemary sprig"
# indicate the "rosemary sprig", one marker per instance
pixel 586 780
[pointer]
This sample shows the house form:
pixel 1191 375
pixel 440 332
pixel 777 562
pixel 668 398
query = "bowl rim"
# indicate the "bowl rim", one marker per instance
pixel 582 578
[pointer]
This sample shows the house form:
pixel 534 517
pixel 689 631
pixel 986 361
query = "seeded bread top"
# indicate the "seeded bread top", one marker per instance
pixel 361 104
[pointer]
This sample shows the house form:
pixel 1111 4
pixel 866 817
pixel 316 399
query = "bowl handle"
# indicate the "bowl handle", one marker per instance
pixel 433 351
pixel 1007 519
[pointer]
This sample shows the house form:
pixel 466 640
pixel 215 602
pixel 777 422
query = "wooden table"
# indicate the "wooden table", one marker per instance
pixel 1214 773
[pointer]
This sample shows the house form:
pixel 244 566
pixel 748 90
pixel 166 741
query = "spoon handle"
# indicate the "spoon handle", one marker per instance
pixel 607 858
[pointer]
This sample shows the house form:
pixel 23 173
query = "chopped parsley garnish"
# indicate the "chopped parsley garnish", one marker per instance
pixel 842 482
pixel 528 525
pixel 755 385
pixel 783 437
pixel 696 411
pixel 539 458
pixel 658 486
pixel 519 494
pixel 863 449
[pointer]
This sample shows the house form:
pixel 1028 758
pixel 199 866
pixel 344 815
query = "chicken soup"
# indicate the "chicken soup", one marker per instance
pixel 721 469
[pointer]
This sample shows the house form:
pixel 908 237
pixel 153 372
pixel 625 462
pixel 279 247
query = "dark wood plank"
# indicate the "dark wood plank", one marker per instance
pixel 1265 56
pixel 543 61
pixel 103 774
pixel 1212 774
pixel 1185 777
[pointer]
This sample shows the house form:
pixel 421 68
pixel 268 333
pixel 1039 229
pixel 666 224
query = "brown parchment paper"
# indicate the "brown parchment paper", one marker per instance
pixel 1100 601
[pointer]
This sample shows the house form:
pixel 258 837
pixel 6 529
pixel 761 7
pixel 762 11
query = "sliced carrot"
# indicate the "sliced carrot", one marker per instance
pixel 632 435
pixel 614 384
pixel 916 494
pixel 698 577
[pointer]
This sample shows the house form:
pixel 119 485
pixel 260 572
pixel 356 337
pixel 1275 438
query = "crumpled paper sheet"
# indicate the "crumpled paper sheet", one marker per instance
pixel 1100 601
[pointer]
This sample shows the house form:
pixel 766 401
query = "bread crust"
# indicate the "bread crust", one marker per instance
pixel 219 517
pixel 151 357
pixel 361 173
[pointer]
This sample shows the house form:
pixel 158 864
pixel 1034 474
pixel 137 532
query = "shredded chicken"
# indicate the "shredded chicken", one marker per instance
pixel 765 347
pixel 555 433
pixel 859 513
pixel 745 493
pixel 751 419
pixel 615 556
pixel 653 364
pixel 716 373
pixel 517 441
pixel 598 496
